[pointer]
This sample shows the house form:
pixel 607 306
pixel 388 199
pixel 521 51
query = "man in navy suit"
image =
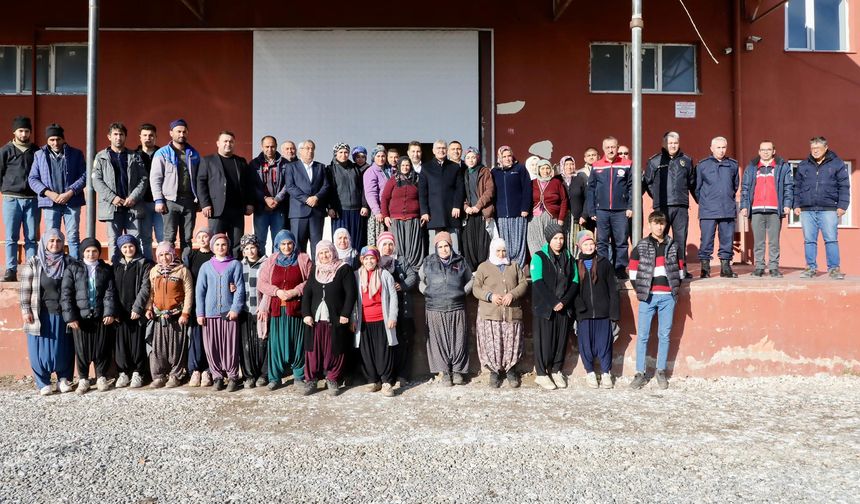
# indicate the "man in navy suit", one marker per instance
pixel 308 186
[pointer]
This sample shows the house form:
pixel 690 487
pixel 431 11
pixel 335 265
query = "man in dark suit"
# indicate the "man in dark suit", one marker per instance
pixel 308 187
pixel 225 187
pixel 441 193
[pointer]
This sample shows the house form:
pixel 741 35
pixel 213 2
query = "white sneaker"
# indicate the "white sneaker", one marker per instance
pixel 387 390
pixel 122 381
pixel 102 384
pixel 45 391
pixel 136 380
pixel 606 381
pixel 83 386
pixel 545 382
pixel 65 386
pixel 591 380
pixel 560 380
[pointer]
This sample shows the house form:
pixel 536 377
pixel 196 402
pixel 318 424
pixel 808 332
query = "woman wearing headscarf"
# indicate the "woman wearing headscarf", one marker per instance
pixel 49 343
pixel 597 308
pixel 89 305
pixel 402 213
pixel 254 345
pixel 445 280
pixel 513 203
pixel 281 282
pixel 219 296
pixel 198 363
pixel 346 204
pixel 375 318
pixel 375 178
pixel 327 303
pixel 549 199
pixel 532 166
pixel 555 282
pixel 499 286
pixel 345 251
pixel 130 273
pixel 576 182
pixel 405 281
pixel 167 300
pixel 478 223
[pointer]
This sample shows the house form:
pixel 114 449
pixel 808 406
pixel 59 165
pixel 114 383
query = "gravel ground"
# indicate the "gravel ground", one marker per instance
pixel 728 440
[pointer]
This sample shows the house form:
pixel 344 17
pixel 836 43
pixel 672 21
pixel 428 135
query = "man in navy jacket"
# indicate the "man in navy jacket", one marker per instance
pixel 608 201
pixel 716 188
pixel 821 197
pixel 308 186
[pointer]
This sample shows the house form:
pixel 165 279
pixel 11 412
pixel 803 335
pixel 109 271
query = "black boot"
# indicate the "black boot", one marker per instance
pixel 706 268
pixel 726 269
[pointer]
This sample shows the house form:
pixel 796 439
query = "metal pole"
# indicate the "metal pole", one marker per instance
pixel 636 25
pixel 92 89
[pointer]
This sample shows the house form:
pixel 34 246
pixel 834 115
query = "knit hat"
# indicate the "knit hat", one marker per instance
pixel 90 242
pixel 583 236
pixel 551 230
pixel 218 236
pixel 370 250
pixel 359 149
pixel 54 130
pixel 178 122
pixel 22 122
pixel 249 239
pixel 385 236
pixel 442 236
pixel 127 238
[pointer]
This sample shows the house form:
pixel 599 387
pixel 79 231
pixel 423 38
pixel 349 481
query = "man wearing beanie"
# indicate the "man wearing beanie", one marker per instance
pixel 173 179
pixel 19 201
pixel 58 177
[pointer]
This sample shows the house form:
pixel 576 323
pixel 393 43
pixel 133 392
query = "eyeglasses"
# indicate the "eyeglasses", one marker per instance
pixel 623 153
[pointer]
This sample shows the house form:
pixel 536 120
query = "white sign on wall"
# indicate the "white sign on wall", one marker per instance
pixel 685 110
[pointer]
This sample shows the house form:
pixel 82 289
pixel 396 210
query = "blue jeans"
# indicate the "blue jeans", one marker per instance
pixel 72 218
pixel 664 306
pixel 612 231
pixel 827 222
pixel 123 222
pixel 147 222
pixel 18 212
pixel 268 223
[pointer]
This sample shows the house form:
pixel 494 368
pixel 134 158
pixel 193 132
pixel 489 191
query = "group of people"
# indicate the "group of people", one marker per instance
pixel 449 226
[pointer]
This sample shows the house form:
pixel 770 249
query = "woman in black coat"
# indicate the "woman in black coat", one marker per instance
pixel 327 302
pixel 130 274
pixel 554 285
pixel 88 302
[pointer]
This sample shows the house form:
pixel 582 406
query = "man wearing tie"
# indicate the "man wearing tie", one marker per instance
pixel 308 186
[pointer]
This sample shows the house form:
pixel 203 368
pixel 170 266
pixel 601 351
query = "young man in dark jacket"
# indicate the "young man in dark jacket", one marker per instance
pixel 767 191
pixel 669 179
pixel 656 272
pixel 270 209
pixel 597 309
pixel 716 187
pixel 821 198
pixel 19 201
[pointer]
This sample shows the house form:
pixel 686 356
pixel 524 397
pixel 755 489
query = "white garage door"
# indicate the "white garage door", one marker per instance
pixel 365 87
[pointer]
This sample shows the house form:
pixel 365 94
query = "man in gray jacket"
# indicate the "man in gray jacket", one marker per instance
pixel 120 180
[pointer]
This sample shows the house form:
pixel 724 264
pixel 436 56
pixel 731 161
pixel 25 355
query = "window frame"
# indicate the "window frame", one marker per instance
pixel 846 221
pixel 658 69
pixel 52 70
pixel 845 23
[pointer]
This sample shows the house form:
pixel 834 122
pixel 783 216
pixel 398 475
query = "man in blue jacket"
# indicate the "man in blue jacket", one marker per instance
pixel 608 200
pixel 821 197
pixel 58 177
pixel 767 190
pixel 716 189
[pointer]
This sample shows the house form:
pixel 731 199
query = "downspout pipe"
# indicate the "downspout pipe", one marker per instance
pixel 737 109
pixel 92 90
pixel 636 25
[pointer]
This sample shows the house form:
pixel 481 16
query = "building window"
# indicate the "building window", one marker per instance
pixel 845 221
pixel 666 68
pixel 816 25
pixel 60 69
